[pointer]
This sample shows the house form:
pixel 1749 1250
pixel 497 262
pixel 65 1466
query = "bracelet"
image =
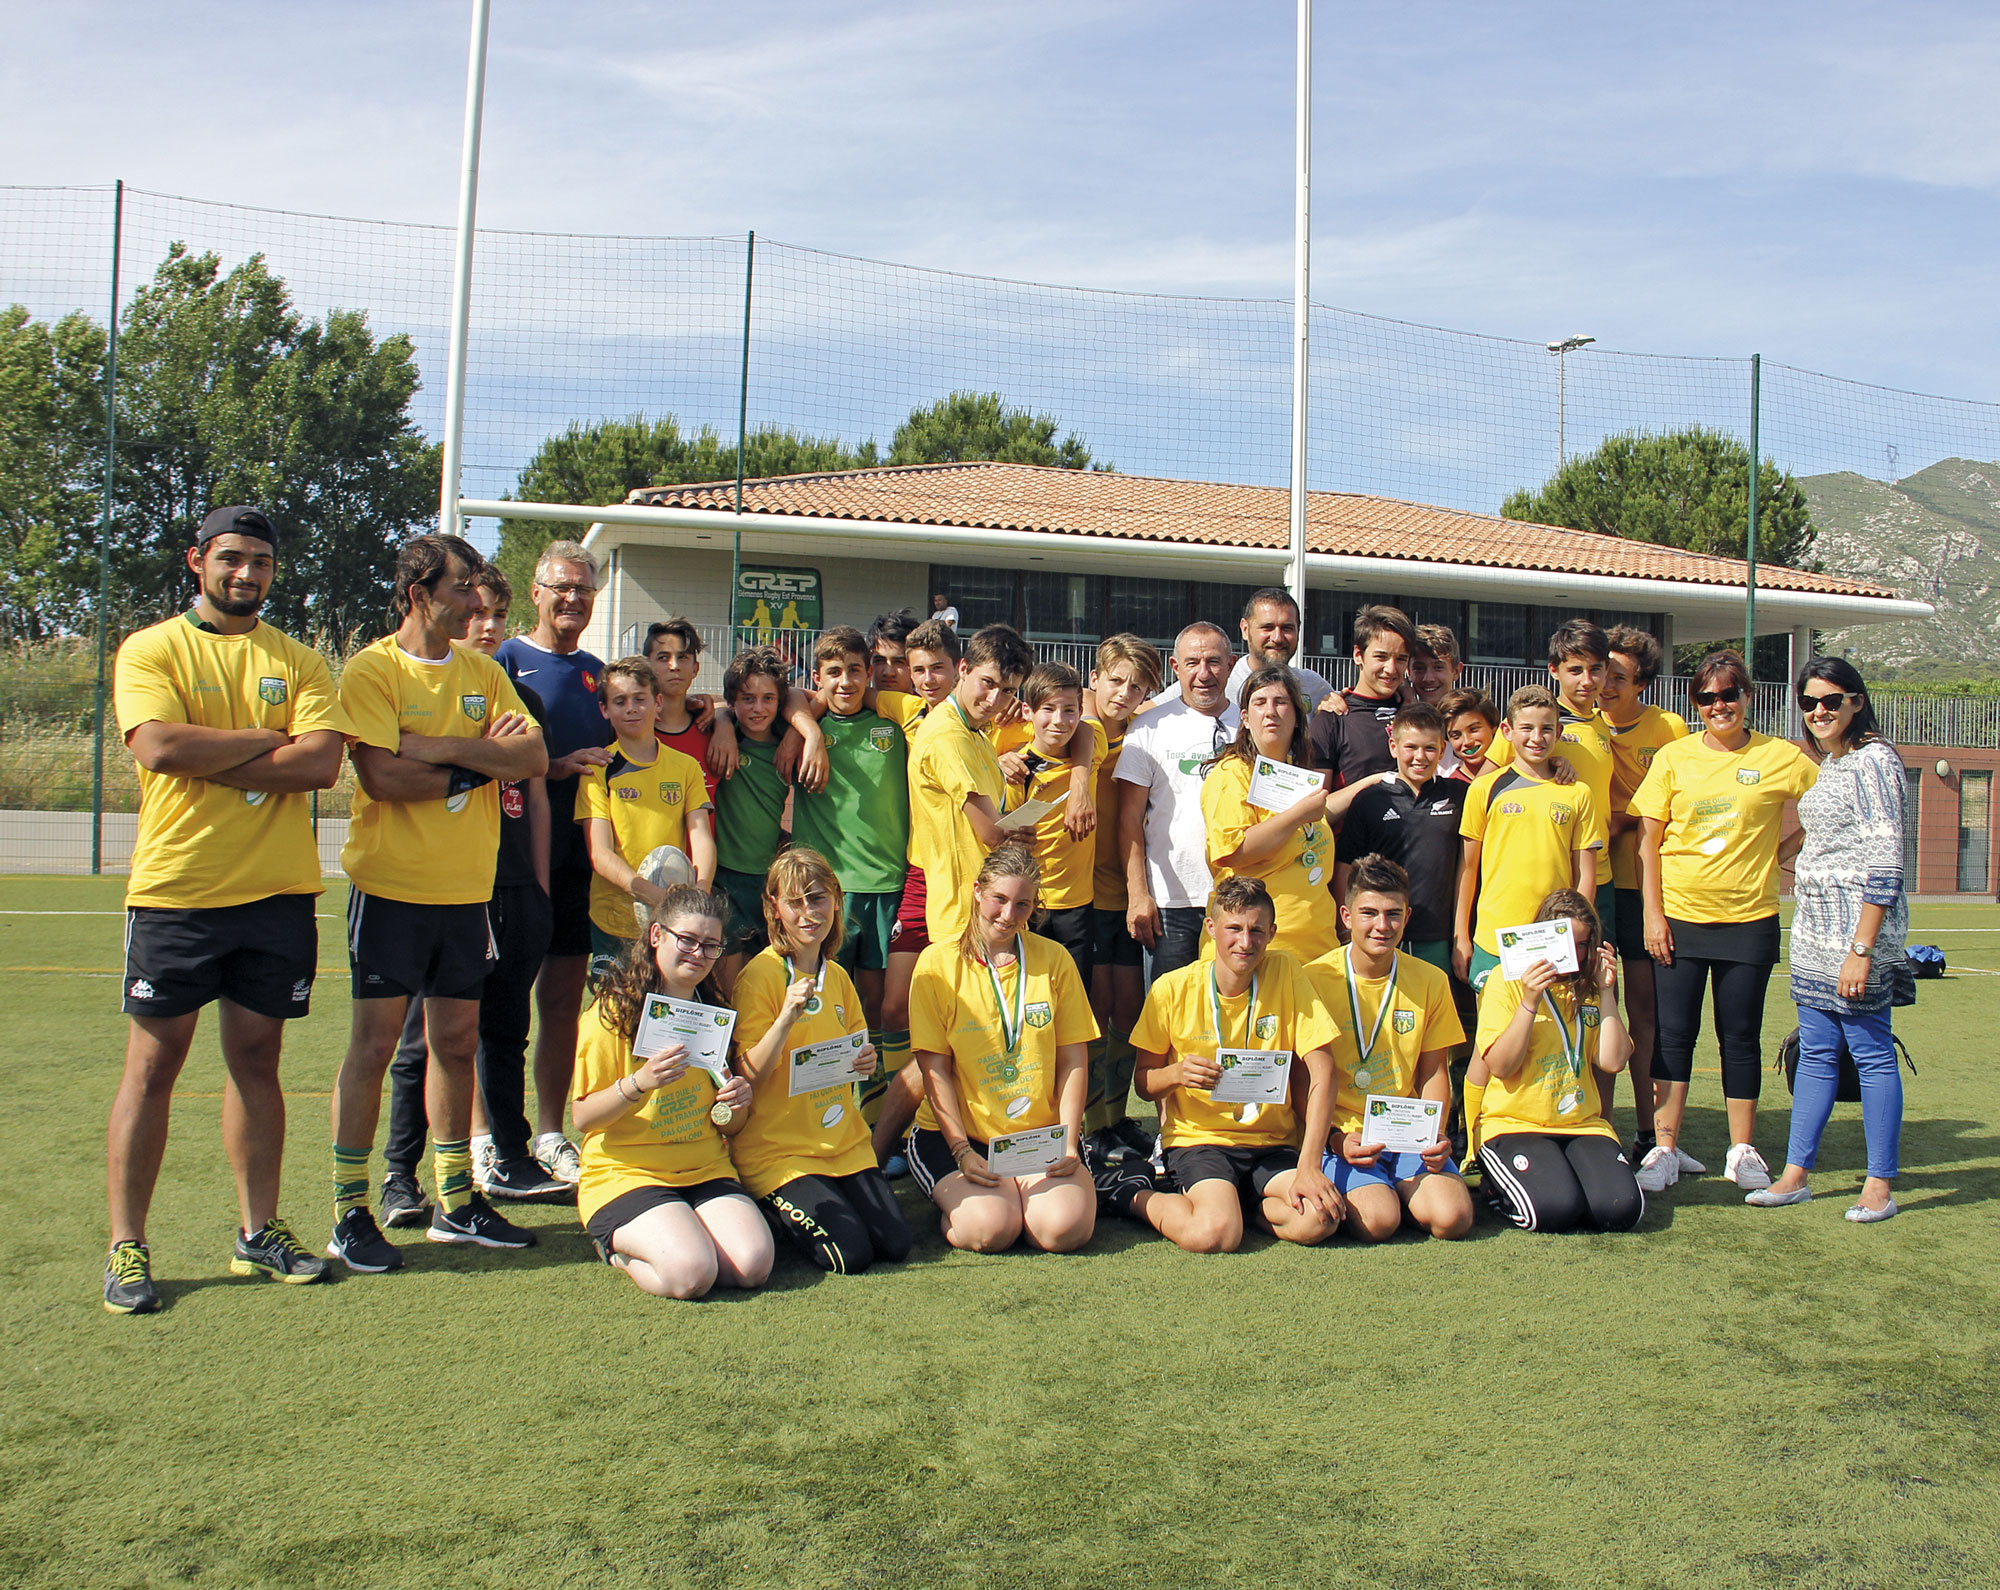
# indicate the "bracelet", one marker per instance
pixel 959 1153
pixel 635 1096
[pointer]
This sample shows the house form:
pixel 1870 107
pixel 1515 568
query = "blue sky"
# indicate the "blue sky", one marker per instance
pixel 1814 182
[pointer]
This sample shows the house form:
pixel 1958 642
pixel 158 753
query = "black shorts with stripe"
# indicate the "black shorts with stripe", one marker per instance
pixel 261 955
pixel 398 950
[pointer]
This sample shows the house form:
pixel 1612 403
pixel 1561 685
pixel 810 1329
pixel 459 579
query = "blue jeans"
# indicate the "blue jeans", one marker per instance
pixel 1867 1038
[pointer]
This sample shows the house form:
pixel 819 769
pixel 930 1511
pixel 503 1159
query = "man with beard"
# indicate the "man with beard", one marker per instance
pixel 1270 631
pixel 232 725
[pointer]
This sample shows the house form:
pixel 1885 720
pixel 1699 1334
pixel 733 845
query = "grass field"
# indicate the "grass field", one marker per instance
pixel 1727 1397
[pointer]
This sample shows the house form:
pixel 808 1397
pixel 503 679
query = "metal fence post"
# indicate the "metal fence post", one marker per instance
pixel 742 437
pixel 1750 549
pixel 104 536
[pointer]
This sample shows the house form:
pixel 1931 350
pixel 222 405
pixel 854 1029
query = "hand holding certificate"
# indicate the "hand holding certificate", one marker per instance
pixel 1252 1076
pixel 1028 1153
pixel 1521 947
pixel 1025 816
pixel 827 1064
pixel 702 1030
pixel 1400 1126
pixel 1278 786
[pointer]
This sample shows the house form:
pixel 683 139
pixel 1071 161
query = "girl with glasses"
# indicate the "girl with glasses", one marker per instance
pixel 1712 810
pixel 658 1194
pixel 802 1042
pixel 1847 935
pixel 1000 1024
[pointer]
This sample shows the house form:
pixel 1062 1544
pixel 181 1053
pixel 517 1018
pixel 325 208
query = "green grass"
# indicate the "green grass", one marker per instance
pixel 1728 1397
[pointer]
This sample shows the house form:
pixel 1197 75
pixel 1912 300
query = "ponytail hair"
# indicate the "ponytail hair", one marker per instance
pixel 1011 860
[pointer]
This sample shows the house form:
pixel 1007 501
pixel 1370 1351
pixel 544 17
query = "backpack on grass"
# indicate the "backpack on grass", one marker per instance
pixel 1926 960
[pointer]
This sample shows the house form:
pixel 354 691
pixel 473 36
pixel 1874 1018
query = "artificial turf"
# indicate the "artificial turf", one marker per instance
pixel 1725 1397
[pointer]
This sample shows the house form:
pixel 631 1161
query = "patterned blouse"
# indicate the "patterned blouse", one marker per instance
pixel 1852 856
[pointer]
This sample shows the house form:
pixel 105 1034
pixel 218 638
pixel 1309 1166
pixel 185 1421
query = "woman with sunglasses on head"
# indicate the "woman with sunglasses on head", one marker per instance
pixel 1712 812
pixel 1847 935
pixel 658 1194
pixel 1001 1024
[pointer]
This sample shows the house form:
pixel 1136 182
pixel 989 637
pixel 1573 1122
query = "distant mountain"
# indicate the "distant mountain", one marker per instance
pixel 1934 535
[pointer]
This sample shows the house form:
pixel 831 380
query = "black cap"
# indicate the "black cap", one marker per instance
pixel 240 520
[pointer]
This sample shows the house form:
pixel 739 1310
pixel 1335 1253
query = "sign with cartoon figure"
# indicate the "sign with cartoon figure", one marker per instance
pixel 769 598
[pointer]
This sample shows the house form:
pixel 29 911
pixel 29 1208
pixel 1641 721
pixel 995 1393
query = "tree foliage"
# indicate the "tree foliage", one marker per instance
pixel 1686 488
pixel 967 426
pixel 51 472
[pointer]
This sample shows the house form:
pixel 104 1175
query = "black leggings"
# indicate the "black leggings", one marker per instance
pixel 842 1223
pixel 1545 1182
pixel 1739 1019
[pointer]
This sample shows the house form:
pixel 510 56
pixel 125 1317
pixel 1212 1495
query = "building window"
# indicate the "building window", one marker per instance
pixel 1438 610
pixel 1154 610
pixel 982 596
pixel 1913 785
pixel 1061 606
pixel 1975 828
pixel 1496 632
pixel 1614 617
pixel 1221 604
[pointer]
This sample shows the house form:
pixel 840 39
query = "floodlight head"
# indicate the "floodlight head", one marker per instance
pixel 1569 344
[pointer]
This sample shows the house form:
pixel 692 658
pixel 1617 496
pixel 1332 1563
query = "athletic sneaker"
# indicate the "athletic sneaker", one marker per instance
pixel 522 1178
pixel 128 1280
pixel 1659 1170
pixel 275 1251
pixel 559 1157
pixel 1118 1185
pixel 484 1158
pixel 1746 1167
pixel 476 1223
pixel 403 1201
pixel 1690 1166
pixel 359 1244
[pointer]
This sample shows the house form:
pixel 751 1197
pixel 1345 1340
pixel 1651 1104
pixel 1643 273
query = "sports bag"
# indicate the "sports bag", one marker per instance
pixel 1926 960
pixel 1847 1088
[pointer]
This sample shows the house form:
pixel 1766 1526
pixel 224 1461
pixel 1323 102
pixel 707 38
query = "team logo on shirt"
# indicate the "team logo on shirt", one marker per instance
pixel 272 690
pixel 625 792
pixel 1511 808
pixel 1441 808
pixel 1590 1015
pixel 1404 1021
pixel 670 794
pixel 1561 814
pixel 1039 1014
pixel 512 802
pixel 1267 1027
pixel 1748 775
pixel 474 707
pixel 882 737
pixel 1646 755
pixel 589 680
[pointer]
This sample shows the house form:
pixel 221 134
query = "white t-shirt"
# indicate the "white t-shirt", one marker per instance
pixel 1168 751
pixel 1312 686
pixel 947 615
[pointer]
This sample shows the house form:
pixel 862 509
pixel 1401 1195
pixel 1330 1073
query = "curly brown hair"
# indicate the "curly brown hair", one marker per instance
pixel 621 993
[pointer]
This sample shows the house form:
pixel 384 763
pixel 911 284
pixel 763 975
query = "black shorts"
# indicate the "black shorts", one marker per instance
pixel 569 901
pixel 260 955
pixel 1114 944
pixel 1249 1169
pixel 629 1206
pixel 931 1159
pixel 1076 932
pixel 397 950
pixel 1631 926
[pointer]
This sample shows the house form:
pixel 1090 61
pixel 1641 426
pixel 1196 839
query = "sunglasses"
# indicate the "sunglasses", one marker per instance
pixel 1728 693
pixel 1832 703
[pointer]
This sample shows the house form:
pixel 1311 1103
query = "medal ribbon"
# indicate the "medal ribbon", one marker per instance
pixel 1249 1010
pixel 819 978
pixel 1366 1048
pixel 1010 1032
pixel 1572 1043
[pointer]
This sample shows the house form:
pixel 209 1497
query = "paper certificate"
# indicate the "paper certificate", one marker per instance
pixel 1521 947
pixel 1278 786
pixel 1405 1126
pixel 1027 1153
pixel 1026 816
pixel 703 1030
pixel 1252 1076
pixel 826 1064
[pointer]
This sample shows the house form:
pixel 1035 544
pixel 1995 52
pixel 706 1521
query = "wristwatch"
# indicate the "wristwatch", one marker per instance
pixel 1863 950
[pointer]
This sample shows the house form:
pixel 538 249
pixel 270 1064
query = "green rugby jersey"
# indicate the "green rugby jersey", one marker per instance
pixel 750 809
pixel 861 821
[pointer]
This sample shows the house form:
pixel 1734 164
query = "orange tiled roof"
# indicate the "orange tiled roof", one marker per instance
pixel 1204 513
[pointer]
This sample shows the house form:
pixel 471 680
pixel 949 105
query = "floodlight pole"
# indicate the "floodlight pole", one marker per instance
pixel 104 536
pixel 742 433
pixel 1295 571
pixel 461 283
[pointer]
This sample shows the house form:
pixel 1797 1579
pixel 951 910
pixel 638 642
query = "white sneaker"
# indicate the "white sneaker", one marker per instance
pixel 1689 1164
pixel 559 1157
pixel 1659 1170
pixel 1746 1167
pixel 483 1159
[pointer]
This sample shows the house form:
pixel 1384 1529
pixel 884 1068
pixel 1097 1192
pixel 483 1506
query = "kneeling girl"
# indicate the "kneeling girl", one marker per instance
pixel 658 1194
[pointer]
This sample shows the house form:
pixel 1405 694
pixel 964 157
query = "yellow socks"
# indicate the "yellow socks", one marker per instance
pixel 350 1180
pixel 452 1164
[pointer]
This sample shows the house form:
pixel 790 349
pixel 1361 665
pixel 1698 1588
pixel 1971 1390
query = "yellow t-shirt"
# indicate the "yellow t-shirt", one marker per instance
pixel 1066 863
pixel 1546 1094
pixel 949 760
pixel 906 709
pixel 1586 746
pixel 647 805
pixel 1299 875
pixel 1421 1017
pixel 434 852
pixel 1632 750
pixel 201 844
pixel 1177 1019
pixel 668 1141
pixel 1530 832
pixel 1107 876
pixel 813 1134
pixel 952 1011
pixel 1723 811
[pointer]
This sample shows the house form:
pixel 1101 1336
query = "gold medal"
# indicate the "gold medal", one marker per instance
pixel 721 1113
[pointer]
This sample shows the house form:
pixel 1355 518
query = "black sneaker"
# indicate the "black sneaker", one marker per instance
pixel 478 1224
pixel 403 1201
pixel 275 1251
pixel 359 1244
pixel 128 1280
pixel 525 1178
pixel 1118 1185
pixel 1137 1142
